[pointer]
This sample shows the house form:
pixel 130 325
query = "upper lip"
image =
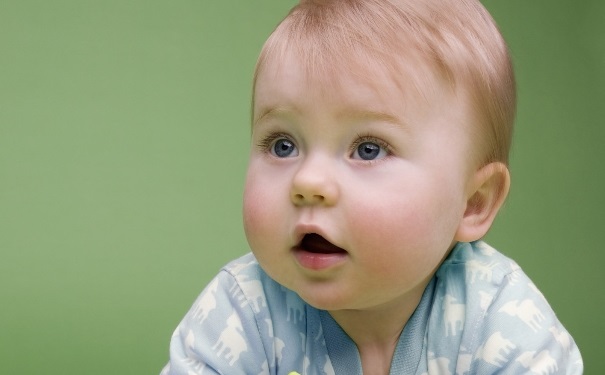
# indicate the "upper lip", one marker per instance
pixel 304 229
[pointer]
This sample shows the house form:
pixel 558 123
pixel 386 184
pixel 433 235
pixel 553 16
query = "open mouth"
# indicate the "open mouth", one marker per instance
pixel 317 254
pixel 314 243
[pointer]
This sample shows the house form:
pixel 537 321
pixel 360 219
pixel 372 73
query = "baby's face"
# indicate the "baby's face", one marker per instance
pixel 353 198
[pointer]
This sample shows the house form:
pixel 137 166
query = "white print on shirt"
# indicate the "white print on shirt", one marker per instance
pixel 293 306
pixel 562 337
pixel 196 372
pixel 485 299
pixel 237 295
pixel 495 350
pixel 231 343
pixel 525 310
pixel 453 315
pixel 328 369
pixel 278 344
pixel 206 303
pixel 303 337
pixel 195 366
pixel 264 369
pixel 438 365
pixel 463 365
pixel 541 364
pixel 253 289
pixel 320 335
pixel 237 268
pixel 485 249
pixel 480 271
pixel 189 342
pixel 513 277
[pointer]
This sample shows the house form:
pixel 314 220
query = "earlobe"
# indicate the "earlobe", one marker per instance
pixel 488 189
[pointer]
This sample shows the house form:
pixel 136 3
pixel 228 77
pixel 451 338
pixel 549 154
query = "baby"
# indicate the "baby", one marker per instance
pixel 380 139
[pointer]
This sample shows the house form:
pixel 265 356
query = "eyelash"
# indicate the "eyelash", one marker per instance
pixel 369 138
pixel 267 142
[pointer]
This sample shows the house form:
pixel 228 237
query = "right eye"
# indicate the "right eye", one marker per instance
pixel 283 148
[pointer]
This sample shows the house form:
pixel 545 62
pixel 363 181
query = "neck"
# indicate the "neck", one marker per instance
pixel 376 331
pixel 371 328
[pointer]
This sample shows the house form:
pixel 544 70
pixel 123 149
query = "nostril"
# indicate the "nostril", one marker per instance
pixel 304 199
pixel 298 199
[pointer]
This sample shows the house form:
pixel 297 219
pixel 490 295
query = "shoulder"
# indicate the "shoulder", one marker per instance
pixel 492 313
pixel 249 283
pixel 475 275
pixel 478 262
pixel 478 275
pixel 235 325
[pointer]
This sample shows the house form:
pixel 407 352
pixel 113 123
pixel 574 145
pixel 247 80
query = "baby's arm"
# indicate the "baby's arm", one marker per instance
pixel 219 334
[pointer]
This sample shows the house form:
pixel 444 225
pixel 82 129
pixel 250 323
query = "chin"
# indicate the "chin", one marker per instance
pixel 325 299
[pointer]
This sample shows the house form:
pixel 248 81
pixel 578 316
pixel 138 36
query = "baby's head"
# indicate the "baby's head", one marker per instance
pixel 380 138
pixel 420 45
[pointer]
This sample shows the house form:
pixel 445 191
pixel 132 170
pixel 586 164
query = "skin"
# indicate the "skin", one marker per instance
pixel 395 217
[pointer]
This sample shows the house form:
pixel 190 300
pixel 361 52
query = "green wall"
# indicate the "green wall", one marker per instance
pixel 123 144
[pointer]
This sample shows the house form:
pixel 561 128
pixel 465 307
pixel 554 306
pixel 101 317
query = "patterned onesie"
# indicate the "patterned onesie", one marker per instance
pixel 480 314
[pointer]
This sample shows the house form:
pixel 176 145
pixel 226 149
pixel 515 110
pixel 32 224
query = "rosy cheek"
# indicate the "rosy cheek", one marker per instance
pixel 389 231
pixel 260 214
pixel 252 213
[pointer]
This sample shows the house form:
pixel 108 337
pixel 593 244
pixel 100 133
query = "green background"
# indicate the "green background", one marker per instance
pixel 123 145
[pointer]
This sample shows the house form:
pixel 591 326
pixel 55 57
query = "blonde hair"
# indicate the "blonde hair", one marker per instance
pixel 455 40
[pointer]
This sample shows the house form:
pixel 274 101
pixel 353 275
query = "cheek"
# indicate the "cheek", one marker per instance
pixel 262 209
pixel 253 212
pixel 400 231
pixel 388 230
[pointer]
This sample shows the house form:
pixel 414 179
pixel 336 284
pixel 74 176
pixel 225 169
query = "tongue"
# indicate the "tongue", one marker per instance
pixel 315 243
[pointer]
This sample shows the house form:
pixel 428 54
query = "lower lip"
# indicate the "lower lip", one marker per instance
pixel 318 261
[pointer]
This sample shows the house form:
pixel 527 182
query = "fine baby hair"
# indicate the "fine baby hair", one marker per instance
pixel 455 41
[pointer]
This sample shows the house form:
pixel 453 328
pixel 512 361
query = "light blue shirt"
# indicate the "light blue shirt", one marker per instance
pixel 480 314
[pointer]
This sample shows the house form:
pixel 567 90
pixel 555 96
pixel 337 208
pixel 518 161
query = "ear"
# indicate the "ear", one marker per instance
pixel 488 189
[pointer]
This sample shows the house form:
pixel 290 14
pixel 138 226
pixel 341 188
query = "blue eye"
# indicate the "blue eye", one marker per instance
pixel 369 151
pixel 283 148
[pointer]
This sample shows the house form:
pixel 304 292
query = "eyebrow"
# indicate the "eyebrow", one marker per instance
pixel 269 112
pixel 345 114
pixel 365 114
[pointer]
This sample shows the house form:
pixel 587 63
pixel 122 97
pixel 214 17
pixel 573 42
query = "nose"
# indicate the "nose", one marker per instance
pixel 314 184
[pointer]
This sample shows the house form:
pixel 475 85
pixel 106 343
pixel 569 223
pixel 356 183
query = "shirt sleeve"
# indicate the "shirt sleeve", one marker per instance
pixel 219 334
pixel 520 334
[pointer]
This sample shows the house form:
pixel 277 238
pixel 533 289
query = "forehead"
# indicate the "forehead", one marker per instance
pixel 359 81
pixel 359 86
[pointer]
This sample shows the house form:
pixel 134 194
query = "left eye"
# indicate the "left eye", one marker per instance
pixel 284 148
pixel 369 151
